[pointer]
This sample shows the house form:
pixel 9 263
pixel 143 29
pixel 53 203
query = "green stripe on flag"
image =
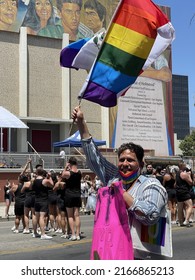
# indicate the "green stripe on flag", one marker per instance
pixel 120 60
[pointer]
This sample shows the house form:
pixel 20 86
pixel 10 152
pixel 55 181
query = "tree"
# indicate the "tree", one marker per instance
pixel 188 145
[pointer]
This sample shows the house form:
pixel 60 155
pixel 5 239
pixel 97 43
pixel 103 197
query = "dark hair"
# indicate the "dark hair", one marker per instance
pixel 31 18
pixel 158 168
pixel 98 7
pixel 24 178
pixel 137 149
pixel 38 165
pixel 72 161
pixel 54 176
pixel 41 172
pixel 59 3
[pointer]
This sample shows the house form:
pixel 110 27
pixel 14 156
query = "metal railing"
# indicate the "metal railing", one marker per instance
pixel 54 161
pixel 48 160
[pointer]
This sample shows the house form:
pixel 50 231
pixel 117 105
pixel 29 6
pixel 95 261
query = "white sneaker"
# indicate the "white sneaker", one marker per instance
pixel 73 238
pixel 51 230
pixel 39 231
pixel 65 236
pixel 26 231
pixel 16 231
pixel 58 230
pixel 13 228
pixel 36 235
pixel 46 237
pixel 78 237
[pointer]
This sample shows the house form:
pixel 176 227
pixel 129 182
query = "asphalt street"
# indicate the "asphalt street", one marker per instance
pixel 24 247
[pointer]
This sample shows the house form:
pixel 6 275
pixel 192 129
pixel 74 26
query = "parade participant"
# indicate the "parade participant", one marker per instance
pixel 72 198
pixel 184 182
pixel 170 186
pixel 145 197
pixel 19 201
pixel 7 197
pixel 40 186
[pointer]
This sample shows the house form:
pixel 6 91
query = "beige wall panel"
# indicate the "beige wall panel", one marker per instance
pixel 9 75
pixel 44 77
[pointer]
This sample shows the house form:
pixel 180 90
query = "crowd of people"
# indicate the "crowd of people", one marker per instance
pixel 52 200
pixel 179 183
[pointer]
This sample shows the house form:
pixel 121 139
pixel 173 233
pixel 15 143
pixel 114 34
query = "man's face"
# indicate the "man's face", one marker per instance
pixel 149 169
pixel 8 12
pixel 70 16
pixel 128 161
pixel 92 20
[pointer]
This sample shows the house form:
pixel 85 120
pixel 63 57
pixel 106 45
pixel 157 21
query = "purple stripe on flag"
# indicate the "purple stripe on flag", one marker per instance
pixel 100 95
pixel 67 56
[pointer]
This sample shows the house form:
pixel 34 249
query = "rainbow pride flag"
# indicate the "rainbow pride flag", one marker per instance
pixel 154 234
pixel 138 33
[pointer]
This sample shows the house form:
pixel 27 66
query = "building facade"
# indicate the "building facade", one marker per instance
pixel 180 106
pixel 41 93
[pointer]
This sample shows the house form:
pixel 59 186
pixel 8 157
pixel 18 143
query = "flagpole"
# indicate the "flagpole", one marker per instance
pixel 73 120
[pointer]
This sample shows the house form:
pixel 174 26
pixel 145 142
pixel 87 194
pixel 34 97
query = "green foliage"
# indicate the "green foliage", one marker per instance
pixel 188 145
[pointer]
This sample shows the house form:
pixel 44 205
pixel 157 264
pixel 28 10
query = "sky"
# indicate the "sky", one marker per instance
pixel 183 47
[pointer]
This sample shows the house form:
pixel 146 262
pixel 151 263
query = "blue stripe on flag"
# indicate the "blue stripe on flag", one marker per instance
pixel 109 78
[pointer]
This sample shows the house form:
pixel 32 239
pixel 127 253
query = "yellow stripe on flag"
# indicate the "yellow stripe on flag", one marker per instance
pixel 129 41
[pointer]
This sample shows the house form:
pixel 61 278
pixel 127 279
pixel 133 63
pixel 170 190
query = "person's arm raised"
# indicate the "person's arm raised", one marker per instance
pixel 78 118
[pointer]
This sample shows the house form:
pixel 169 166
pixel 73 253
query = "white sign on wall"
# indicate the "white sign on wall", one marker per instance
pixel 141 117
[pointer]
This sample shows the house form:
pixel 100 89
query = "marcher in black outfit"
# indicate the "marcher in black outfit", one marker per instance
pixel 169 182
pixel 7 197
pixel 41 186
pixel 184 182
pixel 73 196
pixel 19 201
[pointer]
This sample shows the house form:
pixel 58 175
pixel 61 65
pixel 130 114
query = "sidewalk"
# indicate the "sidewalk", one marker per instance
pixel 2 211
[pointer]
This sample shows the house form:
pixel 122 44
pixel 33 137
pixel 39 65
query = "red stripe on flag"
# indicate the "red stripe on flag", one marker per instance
pixel 137 20
pixel 148 7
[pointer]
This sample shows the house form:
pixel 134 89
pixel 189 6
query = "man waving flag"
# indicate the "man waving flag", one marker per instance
pixel 138 34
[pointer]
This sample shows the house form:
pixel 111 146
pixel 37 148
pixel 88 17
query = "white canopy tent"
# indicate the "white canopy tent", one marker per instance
pixel 9 120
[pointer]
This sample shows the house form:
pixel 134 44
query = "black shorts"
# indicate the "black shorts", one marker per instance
pixel 71 202
pixel 52 199
pixel 29 202
pixel 19 209
pixel 60 204
pixel 41 206
pixel 171 194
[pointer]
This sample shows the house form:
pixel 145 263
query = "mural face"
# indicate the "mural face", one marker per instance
pixel 52 18
pixel 8 13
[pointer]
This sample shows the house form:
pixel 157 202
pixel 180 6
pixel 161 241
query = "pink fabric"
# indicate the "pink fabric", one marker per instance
pixel 111 233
